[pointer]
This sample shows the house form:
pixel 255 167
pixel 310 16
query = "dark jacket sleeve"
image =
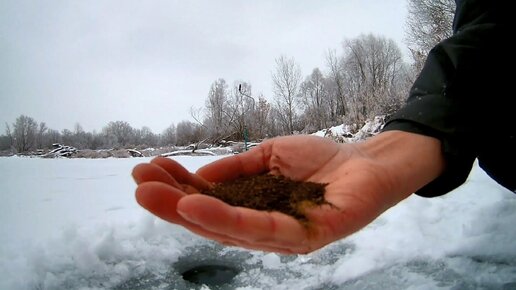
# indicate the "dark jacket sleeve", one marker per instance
pixel 463 92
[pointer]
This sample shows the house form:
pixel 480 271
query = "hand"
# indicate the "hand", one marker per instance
pixel 364 180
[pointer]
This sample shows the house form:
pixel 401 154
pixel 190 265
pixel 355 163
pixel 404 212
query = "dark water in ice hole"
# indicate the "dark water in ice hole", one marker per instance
pixel 219 268
pixel 223 268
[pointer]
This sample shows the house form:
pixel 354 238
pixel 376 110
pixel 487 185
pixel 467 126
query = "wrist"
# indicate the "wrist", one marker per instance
pixel 411 160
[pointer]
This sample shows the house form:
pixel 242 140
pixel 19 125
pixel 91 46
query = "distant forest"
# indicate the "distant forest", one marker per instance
pixel 369 77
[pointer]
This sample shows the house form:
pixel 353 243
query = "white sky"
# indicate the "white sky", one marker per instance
pixel 149 62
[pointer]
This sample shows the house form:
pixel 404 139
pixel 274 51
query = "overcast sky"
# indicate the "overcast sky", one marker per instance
pixel 148 62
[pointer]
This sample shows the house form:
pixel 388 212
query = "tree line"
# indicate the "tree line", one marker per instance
pixel 368 77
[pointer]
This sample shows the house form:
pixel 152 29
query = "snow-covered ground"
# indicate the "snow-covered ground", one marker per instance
pixel 353 133
pixel 74 224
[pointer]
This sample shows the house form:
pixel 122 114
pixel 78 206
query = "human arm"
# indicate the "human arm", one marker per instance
pixel 464 92
pixel 364 180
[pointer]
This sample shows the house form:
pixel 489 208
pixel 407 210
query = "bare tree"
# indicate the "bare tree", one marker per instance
pixel 218 117
pixel 9 135
pixel 168 137
pixel 428 23
pixel 241 107
pixel 24 133
pixel 51 137
pixel 197 115
pixel 373 66
pixel 275 126
pixel 67 137
pixel 235 112
pixel 286 81
pixel 80 138
pixel 147 137
pixel 97 141
pixel 5 143
pixel 187 133
pixel 40 134
pixel 336 85
pixel 118 133
pixel 314 95
pixel 259 119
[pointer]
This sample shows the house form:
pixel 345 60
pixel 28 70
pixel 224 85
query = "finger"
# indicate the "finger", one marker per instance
pixel 181 174
pixel 150 172
pixel 254 161
pixel 264 248
pixel 248 225
pixel 161 200
pixel 232 242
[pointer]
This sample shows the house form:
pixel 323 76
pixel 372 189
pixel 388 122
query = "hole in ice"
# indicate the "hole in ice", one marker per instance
pixel 210 275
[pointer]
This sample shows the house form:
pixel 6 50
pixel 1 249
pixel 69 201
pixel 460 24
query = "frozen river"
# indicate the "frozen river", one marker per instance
pixel 74 224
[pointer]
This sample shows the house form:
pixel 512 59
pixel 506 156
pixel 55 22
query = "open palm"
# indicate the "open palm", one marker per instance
pixel 359 189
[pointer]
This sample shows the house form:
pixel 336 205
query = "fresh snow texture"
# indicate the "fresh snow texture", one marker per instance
pixel 349 133
pixel 74 224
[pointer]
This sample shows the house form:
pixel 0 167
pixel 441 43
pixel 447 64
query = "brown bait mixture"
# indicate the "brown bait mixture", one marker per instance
pixel 271 193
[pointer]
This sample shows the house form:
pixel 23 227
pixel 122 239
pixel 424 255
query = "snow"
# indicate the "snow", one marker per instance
pixel 271 261
pixel 352 133
pixel 74 224
pixel 188 152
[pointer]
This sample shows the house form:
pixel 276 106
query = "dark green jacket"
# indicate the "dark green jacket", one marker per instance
pixel 464 96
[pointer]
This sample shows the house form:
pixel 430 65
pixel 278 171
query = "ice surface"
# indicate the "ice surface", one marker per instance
pixel 74 224
pixel 271 261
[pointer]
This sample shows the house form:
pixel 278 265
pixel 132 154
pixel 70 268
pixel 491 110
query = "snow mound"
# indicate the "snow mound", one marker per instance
pixel 60 151
pixel 189 152
pixel 346 133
